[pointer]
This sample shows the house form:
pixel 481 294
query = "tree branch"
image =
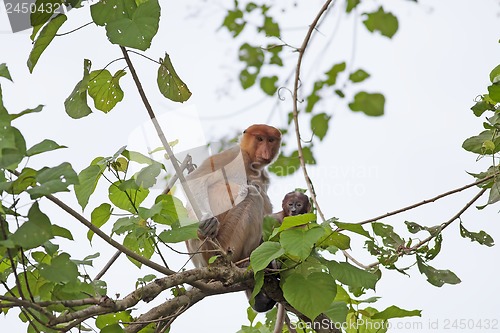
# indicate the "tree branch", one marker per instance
pixel 161 135
pixel 295 110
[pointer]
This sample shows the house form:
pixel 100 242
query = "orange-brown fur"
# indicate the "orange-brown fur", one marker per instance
pixel 239 183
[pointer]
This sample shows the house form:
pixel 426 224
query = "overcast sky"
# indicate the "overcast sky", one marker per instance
pixel 430 73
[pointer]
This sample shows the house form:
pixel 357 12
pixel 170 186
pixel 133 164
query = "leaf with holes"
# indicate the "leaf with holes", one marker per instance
pixel 436 277
pixel 128 24
pixel 481 237
pixel 76 104
pixel 53 180
pixel 170 84
pixel 105 89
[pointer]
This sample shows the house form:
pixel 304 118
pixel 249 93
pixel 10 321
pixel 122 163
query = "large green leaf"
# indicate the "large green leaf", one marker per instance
pixel 87 182
pixel 99 216
pixel 170 84
pixel 481 237
pixel 76 104
pixel 370 104
pixel 384 22
pixel 494 92
pixel 172 210
pixel 437 277
pixel 389 237
pixel 262 256
pixel 146 178
pixel 312 294
pixel 34 232
pixel 52 180
pixel 60 270
pixel 352 276
pixel 42 147
pixel 476 144
pixel 319 125
pixel 395 312
pixel 105 89
pixel 12 147
pixel 140 244
pixel 300 241
pixel 128 24
pixel 127 199
pixel 180 234
pixel 44 39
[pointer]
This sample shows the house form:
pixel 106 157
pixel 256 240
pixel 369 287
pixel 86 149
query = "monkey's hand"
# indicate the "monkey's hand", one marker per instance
pixel 209 228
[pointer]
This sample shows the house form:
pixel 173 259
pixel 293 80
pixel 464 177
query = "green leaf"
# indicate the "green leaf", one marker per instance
pixel 140 244
pixel 146 178
pixel 42 147
pixel 333 73
pixel 105 89
pixel 294 221
pixel 481 237
pixel 370 104
pixel 12 147
pixel 52 180
pixel 353 227
pixel 4 72
pixel 311 100
pixel 262 256
pixel 268 85
pixel 44 39
pixel 61 232
pixel 98 217
pixel 494 92
pixel 180 234
pixel 172 211
pixel 336 239
pixel 41 13
pixel 128 24
pixel 437 277
pixel 26 178
pixel 319 125
pixel 275 57
pixel 60 270
pixel 234 22
pixel 253 56
pixel 76 104
pixel 285 165
pixel 247 79
pixel 389 237
pixel 494 193
pixel 170 84
pixel 27 111
pixel 127 199
pixel 337 312
pixel 384 22
pixel 271 28
pixel 310 295
pixel 476 145
pixel 34 232
pixel 358 76
pixel 482 106
pixel 351 4
pixel 299 242
pixel 87 183
pixel 352 276
pixel 494 75
pixel 395 312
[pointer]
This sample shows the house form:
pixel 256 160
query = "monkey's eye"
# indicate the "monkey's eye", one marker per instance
pixel 259 138
pixel 271 139
pixel 290 204
pixel 299 205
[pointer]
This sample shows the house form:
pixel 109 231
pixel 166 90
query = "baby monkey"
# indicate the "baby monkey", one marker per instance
pixel 294 203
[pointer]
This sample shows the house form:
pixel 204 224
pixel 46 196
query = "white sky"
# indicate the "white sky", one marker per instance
pixel 430 72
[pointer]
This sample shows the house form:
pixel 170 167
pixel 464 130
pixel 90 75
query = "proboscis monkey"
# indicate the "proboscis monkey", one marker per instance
pixel 294 203
pixel 231 190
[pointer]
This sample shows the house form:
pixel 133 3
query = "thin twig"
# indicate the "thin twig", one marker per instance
pixel 161 135
pixel 302 50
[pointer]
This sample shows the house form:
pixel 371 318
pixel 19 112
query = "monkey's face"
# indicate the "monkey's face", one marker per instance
pixel 295 203
pixel 262 143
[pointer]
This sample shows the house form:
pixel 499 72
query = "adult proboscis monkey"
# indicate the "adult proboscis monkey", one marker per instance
pixel 231 190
